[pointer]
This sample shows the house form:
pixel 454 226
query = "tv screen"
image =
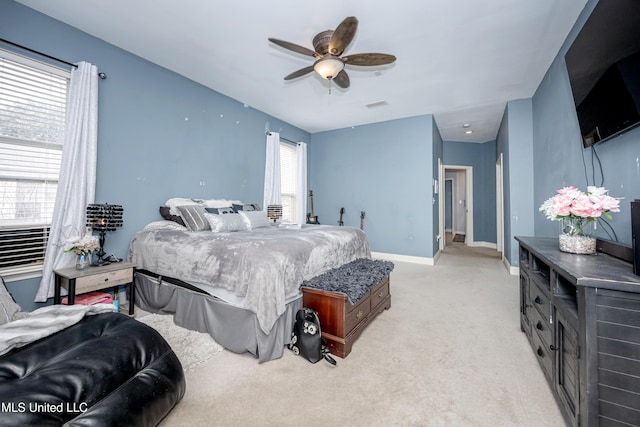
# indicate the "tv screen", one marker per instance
pixel 604 70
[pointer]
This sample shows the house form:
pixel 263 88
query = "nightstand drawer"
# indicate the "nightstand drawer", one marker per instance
pixel 103 280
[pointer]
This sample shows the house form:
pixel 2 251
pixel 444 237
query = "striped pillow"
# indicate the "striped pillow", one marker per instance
pixel 193 217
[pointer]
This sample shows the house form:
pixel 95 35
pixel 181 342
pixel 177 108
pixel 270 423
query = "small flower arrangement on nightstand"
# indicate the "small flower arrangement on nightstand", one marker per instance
pixel 83 247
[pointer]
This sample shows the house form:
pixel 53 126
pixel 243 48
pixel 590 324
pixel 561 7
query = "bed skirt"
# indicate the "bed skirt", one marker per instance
pixel 234 328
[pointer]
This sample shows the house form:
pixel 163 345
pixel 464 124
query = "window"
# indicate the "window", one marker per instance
pixel 288 177
pixel 32 119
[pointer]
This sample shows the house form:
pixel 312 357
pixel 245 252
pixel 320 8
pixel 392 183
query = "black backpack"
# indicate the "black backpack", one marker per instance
pixel 306 338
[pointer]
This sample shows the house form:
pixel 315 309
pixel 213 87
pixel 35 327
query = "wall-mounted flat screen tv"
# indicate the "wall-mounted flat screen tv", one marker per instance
pixel 604 70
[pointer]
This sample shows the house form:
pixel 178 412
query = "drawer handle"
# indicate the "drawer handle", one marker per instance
pixel 106 279
pixel 553 347
pixel 360 314
pixel 380 295
pixel 539 326
pixel 537 300
pixel 540 352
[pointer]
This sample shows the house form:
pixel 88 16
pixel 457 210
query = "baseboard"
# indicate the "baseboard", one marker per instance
pixel 514 271
pixel 488 245
pixel 437 257
pixel 404 258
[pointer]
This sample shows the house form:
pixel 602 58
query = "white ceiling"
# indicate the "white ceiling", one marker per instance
pixel 460 60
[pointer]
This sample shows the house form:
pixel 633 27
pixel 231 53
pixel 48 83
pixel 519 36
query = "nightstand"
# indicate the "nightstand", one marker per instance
pixel 94 279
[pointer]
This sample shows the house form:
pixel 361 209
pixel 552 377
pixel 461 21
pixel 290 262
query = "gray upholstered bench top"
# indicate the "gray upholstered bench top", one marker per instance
pixel 353 279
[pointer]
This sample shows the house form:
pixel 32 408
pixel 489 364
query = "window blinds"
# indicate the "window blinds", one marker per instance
pixel 32 121
pixel 288 167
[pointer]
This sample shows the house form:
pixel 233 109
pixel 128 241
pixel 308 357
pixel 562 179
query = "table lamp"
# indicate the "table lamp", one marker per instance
pixel 103 218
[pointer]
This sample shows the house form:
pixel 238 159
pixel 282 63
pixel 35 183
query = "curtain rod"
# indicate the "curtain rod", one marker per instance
pixel 288 140
pixel 101 75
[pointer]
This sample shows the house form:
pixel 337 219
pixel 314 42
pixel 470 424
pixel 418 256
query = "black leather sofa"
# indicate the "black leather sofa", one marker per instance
pixel 106 370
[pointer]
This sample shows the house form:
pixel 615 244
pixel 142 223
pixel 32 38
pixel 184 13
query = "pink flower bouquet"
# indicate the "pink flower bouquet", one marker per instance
pixel 582 207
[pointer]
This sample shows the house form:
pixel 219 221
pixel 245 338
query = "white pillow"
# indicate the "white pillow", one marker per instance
pixel 178 201
pixel 220 203
pixel 165 225
pixel 225 223
pixel 255 219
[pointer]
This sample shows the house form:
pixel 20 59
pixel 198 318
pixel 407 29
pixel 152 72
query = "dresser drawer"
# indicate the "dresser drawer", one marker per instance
pixel 540 300
pixel 542 326
pixel 543 354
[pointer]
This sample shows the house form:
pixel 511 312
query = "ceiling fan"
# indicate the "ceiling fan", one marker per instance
pixel 329 46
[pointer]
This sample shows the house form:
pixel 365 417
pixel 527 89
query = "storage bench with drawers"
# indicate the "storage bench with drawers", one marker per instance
pixel 342 322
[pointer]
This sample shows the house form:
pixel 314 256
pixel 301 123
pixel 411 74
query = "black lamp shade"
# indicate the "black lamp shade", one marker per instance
pixel 104 217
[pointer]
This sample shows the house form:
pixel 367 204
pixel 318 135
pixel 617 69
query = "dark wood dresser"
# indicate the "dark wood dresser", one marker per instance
pixel 581 314
pixel 340 321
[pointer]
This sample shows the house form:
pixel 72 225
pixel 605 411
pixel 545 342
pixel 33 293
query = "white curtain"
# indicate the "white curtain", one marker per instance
pixel 77 182
pixel 301 184
pixel 272 171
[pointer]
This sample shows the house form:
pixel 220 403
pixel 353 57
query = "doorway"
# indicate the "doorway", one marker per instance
pixel 458 212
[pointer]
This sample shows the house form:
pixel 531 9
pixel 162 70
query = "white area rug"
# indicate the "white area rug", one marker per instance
pixel 191 347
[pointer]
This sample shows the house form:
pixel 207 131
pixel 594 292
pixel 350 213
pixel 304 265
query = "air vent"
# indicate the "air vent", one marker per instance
pixel 376 104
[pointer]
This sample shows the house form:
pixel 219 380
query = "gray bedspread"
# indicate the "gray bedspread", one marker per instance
pixel 266 266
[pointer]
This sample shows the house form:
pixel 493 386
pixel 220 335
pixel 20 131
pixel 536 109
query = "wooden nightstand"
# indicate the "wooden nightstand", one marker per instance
pixel 94 279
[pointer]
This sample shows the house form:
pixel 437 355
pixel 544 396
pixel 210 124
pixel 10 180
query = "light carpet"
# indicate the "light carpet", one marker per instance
pixel 191 347
pixel 449 352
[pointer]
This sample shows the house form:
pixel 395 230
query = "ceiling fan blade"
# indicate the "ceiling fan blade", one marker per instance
pixel 342 79
pixel 368 59
pixel 300 72
pixel 294 47
pixel 343 35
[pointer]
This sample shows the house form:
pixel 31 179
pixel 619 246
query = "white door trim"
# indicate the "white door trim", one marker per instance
pixel 499 206
pixel 468 171
pixel 441 233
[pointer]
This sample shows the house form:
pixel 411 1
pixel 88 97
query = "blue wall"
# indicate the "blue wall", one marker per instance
pixel 482 157
pixel 159 135
pixel 515 142
pixel 384 169
pixel 559 158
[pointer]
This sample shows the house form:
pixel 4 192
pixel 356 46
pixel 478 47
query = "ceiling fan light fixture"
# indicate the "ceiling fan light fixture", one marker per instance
pixel 328 67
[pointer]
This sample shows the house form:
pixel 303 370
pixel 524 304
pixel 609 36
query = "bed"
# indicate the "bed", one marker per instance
pixel 242 287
